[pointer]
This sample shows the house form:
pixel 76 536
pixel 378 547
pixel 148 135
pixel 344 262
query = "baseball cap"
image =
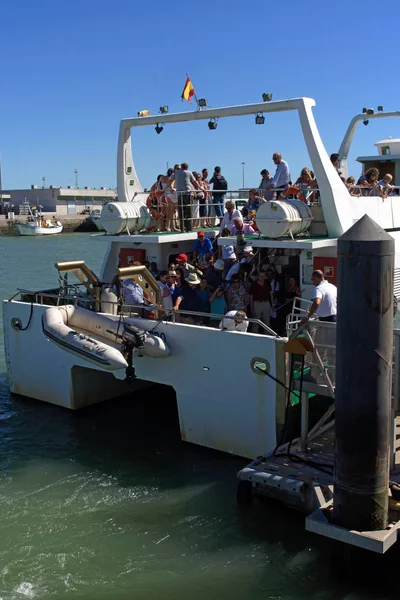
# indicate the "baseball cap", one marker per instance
pixel 181 258
pixel 219 265
pixel 201 234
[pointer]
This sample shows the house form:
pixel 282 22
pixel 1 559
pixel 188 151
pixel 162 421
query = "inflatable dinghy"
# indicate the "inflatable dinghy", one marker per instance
pixel 98 338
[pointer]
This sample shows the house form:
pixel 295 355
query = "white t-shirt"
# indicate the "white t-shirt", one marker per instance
pixel 228 252
pixel 234 269
pixel 167 299
pixel 328 294
pixel 230 325
pixel 227 220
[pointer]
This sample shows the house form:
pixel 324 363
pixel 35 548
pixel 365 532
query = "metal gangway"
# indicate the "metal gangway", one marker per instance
pixel 299 472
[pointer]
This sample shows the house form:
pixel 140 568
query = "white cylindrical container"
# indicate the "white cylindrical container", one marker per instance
pixel 119 217
pixel 108 299
pixel 283 217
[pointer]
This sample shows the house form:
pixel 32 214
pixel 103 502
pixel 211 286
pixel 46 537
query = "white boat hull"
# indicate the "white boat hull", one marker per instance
pixel 29 229
pixel 239 414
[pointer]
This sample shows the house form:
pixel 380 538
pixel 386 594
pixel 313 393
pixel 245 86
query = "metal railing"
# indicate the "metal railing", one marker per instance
pixel 138 310
pixel 194 213
pixel 320 367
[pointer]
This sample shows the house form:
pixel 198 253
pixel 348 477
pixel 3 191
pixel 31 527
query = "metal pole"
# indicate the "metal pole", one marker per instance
pixel 76 178
pixel 364 344
pixel 243 174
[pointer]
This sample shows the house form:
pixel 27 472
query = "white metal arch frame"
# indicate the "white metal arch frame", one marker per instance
pixel 351 130
pixel 334 195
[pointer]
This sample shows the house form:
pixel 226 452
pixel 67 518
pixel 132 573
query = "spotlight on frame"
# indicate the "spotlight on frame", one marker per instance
pixel 212 124
pixel 380 108
pixel 202 102
pixel 159 128
pixel 260 119
pixel 365 122
pixel 370 111
pixel 163 110
pixel 267 97
pixel 364 110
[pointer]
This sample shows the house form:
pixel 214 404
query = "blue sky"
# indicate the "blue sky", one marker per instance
pixel 71 70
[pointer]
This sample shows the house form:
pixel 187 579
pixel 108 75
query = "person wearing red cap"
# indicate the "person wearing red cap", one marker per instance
pixel 186 267
pixel 202 251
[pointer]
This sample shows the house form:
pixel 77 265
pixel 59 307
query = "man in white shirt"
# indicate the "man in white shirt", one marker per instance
pixel 325 299
pixel 247 257
pixel 235 324
pixel 282 176
pixel 166 297
pixel 231 214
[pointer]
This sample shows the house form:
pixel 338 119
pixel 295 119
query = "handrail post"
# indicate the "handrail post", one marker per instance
pixel 304 419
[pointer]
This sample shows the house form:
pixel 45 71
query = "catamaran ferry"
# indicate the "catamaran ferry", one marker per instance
pixel 90 345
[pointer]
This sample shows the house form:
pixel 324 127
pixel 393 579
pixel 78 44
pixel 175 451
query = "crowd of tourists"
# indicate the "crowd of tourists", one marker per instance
pixel 226 291
pixel 185 200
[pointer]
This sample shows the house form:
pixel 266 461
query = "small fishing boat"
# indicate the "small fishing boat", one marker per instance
pixel 37 225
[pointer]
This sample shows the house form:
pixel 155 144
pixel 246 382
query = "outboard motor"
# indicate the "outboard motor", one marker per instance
pixel 132 338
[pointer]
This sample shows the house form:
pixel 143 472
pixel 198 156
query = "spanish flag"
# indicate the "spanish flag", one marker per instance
pixel 188 90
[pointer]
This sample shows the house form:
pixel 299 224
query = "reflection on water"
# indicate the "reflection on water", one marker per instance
pixel 109 503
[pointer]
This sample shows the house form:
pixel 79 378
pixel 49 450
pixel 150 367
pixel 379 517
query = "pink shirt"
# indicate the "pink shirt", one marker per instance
pixel 247 229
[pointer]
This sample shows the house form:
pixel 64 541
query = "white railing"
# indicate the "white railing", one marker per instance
pixel 160 312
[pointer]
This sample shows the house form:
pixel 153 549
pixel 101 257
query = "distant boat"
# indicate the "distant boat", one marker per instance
pixel 37 225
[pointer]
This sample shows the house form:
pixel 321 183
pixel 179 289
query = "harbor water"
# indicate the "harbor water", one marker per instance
pixel 109 503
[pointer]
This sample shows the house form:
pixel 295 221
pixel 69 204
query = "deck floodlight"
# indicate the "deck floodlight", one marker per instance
pixel 380 108
pixel 370 111
pixel 159 128
pixel 365 122
pixel 212 124
pixel 163 110
pixel 267 97
pixel 202 102
pixel 364 111
pixel 260 119
pixel 143 113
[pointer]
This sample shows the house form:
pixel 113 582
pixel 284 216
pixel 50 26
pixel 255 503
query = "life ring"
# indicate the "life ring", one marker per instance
pixel 293 191
pixel 157 204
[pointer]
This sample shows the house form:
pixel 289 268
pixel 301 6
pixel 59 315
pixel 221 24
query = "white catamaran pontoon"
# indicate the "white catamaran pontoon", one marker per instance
pixel 89 346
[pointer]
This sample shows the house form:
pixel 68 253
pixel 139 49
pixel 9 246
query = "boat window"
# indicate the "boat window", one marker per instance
pixel 385 150
pixel 259 365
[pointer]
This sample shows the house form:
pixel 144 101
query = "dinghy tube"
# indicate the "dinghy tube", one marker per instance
pixel 97 338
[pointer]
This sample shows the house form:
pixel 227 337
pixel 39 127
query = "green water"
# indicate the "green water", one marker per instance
pixel 109 503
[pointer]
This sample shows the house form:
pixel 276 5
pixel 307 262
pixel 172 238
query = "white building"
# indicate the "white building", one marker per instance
pixel 63 201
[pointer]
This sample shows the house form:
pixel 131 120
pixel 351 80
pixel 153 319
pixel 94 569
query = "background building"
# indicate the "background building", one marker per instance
pixel 63 201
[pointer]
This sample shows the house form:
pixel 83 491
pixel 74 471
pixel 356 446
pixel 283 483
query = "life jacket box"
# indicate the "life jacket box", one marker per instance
pixel 279 218
pixel 124 217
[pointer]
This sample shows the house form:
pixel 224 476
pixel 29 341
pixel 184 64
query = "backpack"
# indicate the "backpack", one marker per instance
pixel 222 184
